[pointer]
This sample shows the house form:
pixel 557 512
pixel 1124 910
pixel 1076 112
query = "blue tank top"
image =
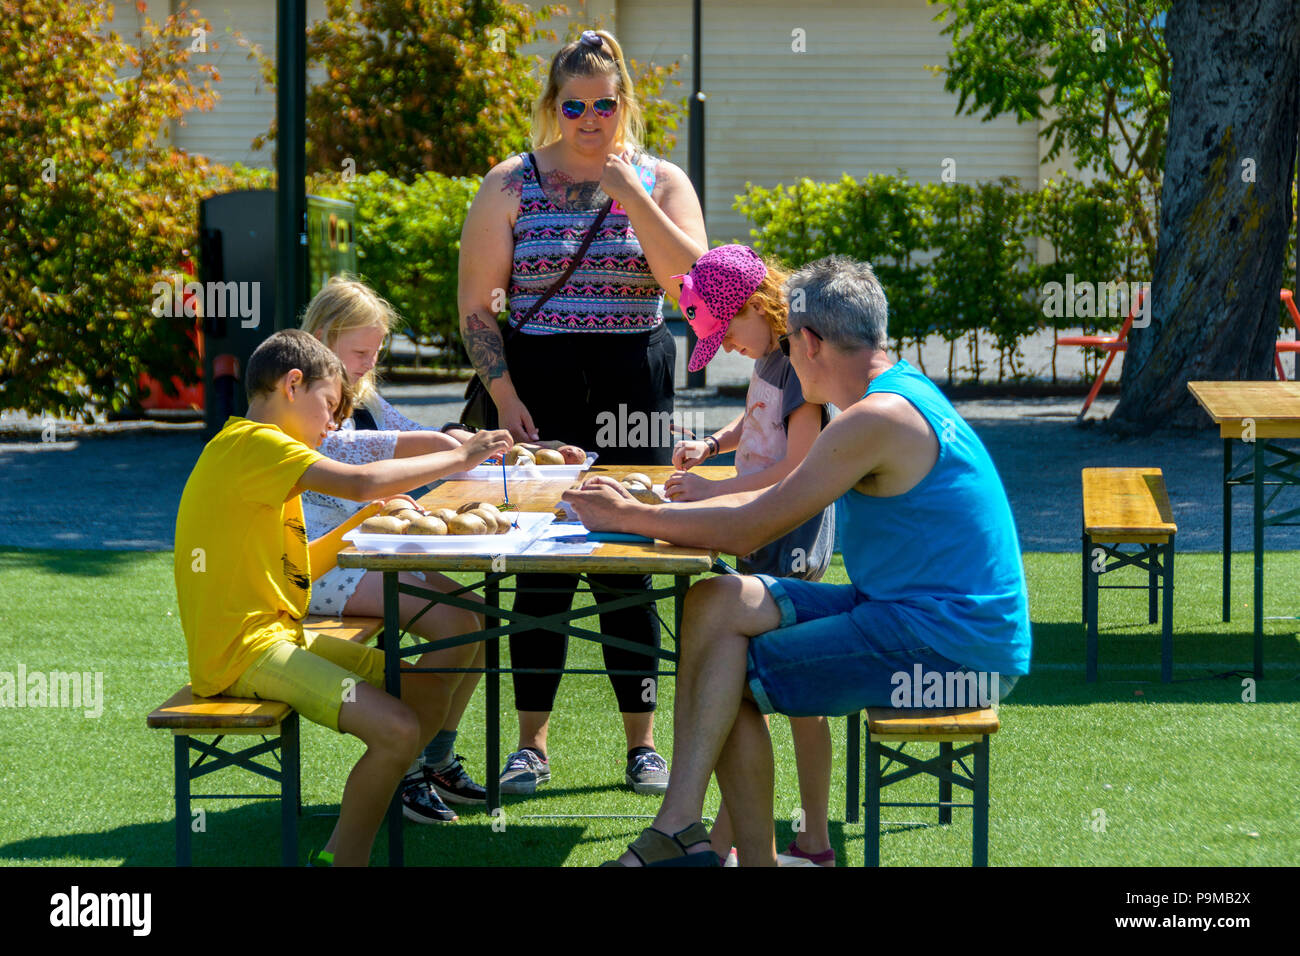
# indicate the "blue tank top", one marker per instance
pixel 945 553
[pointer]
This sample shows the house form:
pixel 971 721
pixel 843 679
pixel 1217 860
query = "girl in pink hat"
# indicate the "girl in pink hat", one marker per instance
pixel 735 301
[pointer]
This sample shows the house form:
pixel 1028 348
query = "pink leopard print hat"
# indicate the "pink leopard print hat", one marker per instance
pixel 713 292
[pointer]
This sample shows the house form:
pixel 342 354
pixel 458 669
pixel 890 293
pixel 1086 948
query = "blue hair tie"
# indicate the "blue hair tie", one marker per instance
pixel 590 38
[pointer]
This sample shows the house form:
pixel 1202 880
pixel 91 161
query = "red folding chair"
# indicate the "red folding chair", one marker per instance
pixel 1111 343
pixel 1287 345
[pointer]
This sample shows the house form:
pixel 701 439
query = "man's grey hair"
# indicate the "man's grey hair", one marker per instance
pixel 842 301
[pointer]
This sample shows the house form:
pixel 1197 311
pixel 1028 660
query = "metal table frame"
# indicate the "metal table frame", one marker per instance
pixel 561 623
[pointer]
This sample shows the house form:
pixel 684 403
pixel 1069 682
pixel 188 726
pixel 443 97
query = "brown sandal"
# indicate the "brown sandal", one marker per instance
pixel 656 848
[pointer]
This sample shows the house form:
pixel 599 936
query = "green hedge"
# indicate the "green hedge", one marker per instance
pixel 408 247
pixel 953 257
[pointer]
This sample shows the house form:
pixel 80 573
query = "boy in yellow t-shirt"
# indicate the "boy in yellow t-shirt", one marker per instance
pixel 243 577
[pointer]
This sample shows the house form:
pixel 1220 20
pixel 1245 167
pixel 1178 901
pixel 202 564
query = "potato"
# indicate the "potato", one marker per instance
pixel 392 507
pixel 444 514
pixel 572 454
pixel 406 514
pixel 548 456
pixel 638 478
pixel 519 455
pixel 426 524
pixel 385 524
pixel 645 495
pixel 489 519
pixel 469 506
pixel 468 524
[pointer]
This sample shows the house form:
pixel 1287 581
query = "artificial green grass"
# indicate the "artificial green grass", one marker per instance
pixel 1125 771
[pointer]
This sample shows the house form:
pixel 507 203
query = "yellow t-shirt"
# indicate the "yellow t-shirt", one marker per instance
pixel 242 575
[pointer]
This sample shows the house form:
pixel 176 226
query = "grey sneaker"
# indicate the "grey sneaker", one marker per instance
pixel 647 772
pixel 524 770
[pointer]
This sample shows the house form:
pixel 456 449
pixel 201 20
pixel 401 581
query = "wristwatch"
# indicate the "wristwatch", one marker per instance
pixel 461 425
pixel 713 444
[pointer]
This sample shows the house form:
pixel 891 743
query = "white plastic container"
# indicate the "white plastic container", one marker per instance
pixel 514 541
pixel 525 472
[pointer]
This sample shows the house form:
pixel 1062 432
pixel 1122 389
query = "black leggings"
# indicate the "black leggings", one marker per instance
pixel 573 385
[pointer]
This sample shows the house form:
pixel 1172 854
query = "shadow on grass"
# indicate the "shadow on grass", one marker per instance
pixel 249 835
pixel 1209 667
pixel 86 564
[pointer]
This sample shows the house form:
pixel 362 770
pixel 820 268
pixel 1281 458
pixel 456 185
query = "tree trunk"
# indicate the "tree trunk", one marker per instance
pixel 1234 117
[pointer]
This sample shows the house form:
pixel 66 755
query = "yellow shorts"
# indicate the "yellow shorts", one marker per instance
pixel 314 678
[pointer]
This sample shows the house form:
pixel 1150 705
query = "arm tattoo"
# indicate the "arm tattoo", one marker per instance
pixel 485 348
pixel 514 181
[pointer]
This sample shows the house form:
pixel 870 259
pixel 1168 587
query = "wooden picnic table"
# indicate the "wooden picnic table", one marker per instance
pixel 608 557
pixel 1253 413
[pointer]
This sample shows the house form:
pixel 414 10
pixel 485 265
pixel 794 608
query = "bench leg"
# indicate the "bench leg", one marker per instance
pixel 871 843
pixel 1227 531
pixel 945 786
pixel 181 745
pixel 1090 606
pixel 1083 589
pixel 1153 582
pixel 290 787
pixel 853 744
pixel 980 847
pixel 1167 630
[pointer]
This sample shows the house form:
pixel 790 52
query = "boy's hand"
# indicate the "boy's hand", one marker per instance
pixel 689 453
pixel 683 486
pixel 405 498
pixel 602 504
pixel 484 445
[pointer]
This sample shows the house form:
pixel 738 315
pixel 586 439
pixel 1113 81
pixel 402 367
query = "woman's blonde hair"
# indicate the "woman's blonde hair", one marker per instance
pixel 578 59
pixel 344 305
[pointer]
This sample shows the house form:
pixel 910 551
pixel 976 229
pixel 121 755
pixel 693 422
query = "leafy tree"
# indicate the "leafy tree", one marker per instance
pixel 1099 71
pixel 413 86
pixel 1226 214
pixel 94 209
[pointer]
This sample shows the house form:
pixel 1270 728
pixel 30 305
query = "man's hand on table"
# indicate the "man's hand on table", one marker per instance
pixel 602 504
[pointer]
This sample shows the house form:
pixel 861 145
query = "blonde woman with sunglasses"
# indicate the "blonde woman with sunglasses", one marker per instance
pixel 580 346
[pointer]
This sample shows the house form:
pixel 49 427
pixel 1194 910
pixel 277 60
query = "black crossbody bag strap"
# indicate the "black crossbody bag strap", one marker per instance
pixel 557 285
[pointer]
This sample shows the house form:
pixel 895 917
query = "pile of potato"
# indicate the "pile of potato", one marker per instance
pixel 473 517
pixel 528 454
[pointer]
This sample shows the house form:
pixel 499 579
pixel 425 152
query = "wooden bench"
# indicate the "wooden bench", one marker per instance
pixel 189 716
pixel 1128 506
pixel 971 727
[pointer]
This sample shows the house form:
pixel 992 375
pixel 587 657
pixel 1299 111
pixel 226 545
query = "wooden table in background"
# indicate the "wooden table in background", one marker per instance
pixel 608 558
pixel 1253 413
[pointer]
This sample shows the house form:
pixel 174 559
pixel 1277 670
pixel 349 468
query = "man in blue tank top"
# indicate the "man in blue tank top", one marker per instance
pixel 936 614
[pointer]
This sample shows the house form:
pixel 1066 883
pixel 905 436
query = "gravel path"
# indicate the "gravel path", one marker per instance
pixel 126 486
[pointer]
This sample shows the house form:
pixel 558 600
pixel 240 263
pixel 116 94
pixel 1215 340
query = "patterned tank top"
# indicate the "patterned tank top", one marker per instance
pixel 612 290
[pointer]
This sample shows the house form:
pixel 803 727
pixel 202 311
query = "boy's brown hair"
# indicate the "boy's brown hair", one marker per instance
pixel 293 348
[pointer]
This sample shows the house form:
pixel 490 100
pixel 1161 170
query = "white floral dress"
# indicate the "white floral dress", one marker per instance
pixel 332 590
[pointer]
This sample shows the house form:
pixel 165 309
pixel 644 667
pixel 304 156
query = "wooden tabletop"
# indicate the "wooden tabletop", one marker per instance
pixel 544 496
pixel 1273 407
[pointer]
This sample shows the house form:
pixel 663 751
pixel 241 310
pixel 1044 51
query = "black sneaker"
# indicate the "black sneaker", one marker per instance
pixel 524 770
pixel 421 803
pixel 454 785
pixel 647 772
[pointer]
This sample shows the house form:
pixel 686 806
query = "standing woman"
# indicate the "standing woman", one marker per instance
pixel 596 343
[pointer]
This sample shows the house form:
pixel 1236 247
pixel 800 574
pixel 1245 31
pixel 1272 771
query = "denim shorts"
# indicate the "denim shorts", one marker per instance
pixel 837 652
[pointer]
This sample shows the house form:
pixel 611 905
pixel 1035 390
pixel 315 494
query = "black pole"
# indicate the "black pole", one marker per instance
pixel 290 163
pixel 695 132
